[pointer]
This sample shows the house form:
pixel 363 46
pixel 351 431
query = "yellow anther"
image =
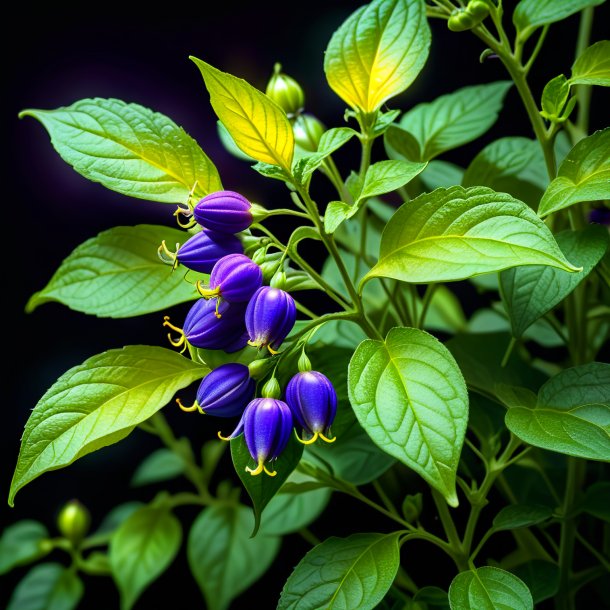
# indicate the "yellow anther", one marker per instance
pixel 181 341
pixel 310 441
pixel 193 407
pixel 326 439
pixel 260 468
pixel 223 438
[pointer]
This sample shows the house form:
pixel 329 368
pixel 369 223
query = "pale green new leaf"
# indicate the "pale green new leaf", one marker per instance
pixel 377 52
pixel 161 465
pixel 118 274
pixel 530 292
pixel 592 67
pixel 224 559
pixel 258 126
pixel 142 549
pixel 456 233
pixel 22 543
pixel 336 212
pixel 554 98
pixel 571 414
pixel 584 175
pixel 49 586
pixel 387 176
pixel 489 588
pixel 409 395
pixel 343 573
pixel 99 403
pixel 129 149
pixel 454 119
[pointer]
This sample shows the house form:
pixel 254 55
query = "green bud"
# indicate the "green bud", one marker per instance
pixel 479 9
pixel 271 389
pixel 259 368
pixel 304 362
pixel 307 132
pixel 259 213
pixel 73 521
pixel 285 92
pixel 259 256
pixel 270 265
pixel 465 19
pixel 278 280
pixel 412 507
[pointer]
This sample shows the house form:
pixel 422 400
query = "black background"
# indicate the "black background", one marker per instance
pixel 49 209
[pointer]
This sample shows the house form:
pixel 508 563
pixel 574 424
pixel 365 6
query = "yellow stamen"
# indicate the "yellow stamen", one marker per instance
pixel 272 351
pixel 269 472
pixel 167 256
pixel 207 293
pixel 326 439
pixel 223 438
pixel 310 441
pixel 260 468
pixel 253 343
pixel 175 342
pixel 193 407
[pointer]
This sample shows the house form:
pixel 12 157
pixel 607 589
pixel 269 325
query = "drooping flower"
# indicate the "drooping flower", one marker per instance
pixel 270 316
pixel 224 392
pixel 266 425
pixel 202 251
pixel 235 278
pixel 313 402
pixel 224 211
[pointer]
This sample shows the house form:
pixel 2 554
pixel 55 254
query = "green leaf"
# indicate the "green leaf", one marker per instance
pixel 142 549
pixel 401 145
pixel 554 98
pixel 229 143
pixel 261 488
pixel 584 175
pixel 48 586
pixel 530 292
pixel 99 403
pixel 224 559
pixel 129 149
pixel 435 597
pixel 377 52
pixel 22 543
pixel 454 119
pixel 387 176
pixel 161 465
pixel 442 173
pixel 521 515
pixel 117 516
pixel 541 578
pixel 116 273
pixel 530 14
pixel 336 213
pixel 259 127
pixel 290 511
pixel 592 66
pixel 489 588
pixel 456 233
pixel 409 395
pixel 352 572
pixel 571 415
pixel 595 501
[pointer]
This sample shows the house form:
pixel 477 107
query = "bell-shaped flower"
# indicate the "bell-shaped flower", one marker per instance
pixel 224 211
pixel 270 316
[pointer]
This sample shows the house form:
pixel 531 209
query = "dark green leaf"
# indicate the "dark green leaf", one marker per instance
pixel 596 502
pixel 353 572
pixel 224 559
pixel 21 543
pixel 161 465
pixel 521 515
pixel 541 578
pixel 435 597
pixel 99 403
pixel 116 273
pixel 409 395
pixel 129 149
pixel 142 549
pixel 592 66
pixel 48 586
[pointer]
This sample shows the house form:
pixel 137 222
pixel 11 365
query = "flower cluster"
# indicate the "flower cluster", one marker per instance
pixel 237 310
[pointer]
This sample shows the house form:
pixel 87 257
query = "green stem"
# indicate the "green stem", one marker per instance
pixel 300 307
pixel 534 55
pixel 384 498
pixel 428 295
pixel 583 92
pixel 287 212
pixel 309 536
pixel 457 552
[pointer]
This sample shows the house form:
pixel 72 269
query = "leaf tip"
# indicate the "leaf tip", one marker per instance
pixel 27 112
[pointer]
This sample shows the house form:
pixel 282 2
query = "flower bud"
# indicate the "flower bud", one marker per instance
pixel 285 92
pixel 224 211
pixel 270 316
pixel 235 278
pixel 271 389
pixel 202 251
pixel 313 402
pixel 412 507
pixel 226 391
pixel 73 521
pixel 267 425
pixel 466 18
pixel 259 368
pixel 278 280
pixel 307 132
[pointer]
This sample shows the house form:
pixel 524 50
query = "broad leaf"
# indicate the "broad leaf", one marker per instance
pixel 401 145
pixel 261 488
pixel 117 516
pixel 224 559
pixel 540 577
pixel 161 465
pixel 584 175
pixel 99 403
pixel 521 515
pixel 530 14
pixel 387 176
pixel 409 395
pixel 48 586
pixel 129 149
pixel 22 543
pixel 454 119
pixel 442 173
pixel 571 415
pixel 377 52
pixel 116 273
pixel 259 127
pixel 142 549
pixel 456 233
pixel 343 573
pixel 530 292
pixel 489 588
pixel 592 67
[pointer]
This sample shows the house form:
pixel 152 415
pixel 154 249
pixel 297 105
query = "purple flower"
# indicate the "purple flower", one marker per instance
pixel 235 278
pixel 267 425
pixel 202 251
pixel 224 211
pixel 313 402
pixel 270 316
